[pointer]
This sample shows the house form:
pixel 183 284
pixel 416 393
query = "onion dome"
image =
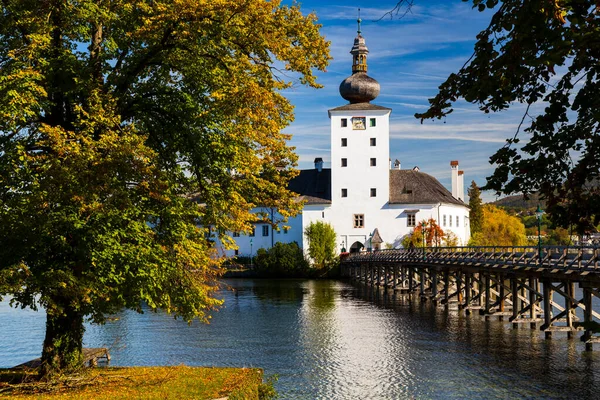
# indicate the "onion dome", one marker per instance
pixel 359 87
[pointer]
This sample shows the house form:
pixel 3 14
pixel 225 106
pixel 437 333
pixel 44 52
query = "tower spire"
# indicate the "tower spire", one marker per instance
pixel 359 21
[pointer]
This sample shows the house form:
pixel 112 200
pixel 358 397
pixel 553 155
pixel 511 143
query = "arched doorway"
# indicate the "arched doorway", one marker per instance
pixel 356 247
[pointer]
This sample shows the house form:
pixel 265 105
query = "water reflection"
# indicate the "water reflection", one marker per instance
pixel 331 340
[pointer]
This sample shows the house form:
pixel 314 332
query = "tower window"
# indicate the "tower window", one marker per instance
pixel 373 141
pixel 450 220
pixel 344 122
pixel 444 220
pixel 373 192
pixel 236 234
pixel 372 122
pixel 344 192
pixel 359 220
pixel 411 220
pixel 344 142
pixel 344 162
pixel 265 230
pixel 373 162
pixel 253 232
pixel 457 221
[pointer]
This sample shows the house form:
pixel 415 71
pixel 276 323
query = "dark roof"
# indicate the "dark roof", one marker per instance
pixel 360 106
pixel 413 187
pixel 313 186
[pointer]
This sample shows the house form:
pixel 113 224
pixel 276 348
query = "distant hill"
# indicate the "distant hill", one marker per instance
pixel 519 202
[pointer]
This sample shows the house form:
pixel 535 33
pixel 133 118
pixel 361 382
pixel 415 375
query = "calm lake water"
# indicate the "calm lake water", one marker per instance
pixel 332 340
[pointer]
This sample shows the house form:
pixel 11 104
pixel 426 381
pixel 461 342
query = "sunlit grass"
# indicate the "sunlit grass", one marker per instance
pixel 178 382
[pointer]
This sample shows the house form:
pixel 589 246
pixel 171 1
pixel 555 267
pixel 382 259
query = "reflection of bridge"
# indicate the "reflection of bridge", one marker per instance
pixel 519 283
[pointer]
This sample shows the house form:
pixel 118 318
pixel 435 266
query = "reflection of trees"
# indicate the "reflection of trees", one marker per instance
pixel 280 291
pixel 322 294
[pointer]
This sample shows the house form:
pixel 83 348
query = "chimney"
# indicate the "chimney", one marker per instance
pixel 461 185
pixel 319 164
pixel 397 164
pixel 454 169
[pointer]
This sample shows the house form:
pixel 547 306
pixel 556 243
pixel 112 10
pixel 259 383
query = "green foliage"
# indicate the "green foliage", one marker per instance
pixel 544 53
pixel 266 390
pixel 476 208
pixel 282 260
pixel 558 237
pixel 499 229
pixel 321 244
pixel 111 115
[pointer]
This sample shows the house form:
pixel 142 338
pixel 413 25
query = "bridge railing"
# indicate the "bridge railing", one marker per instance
pixel 564 257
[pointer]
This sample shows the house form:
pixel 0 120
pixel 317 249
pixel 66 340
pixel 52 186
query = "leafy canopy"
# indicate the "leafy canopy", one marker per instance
pixel 321 244
pixel 112 113
pixel 499 229
pixel 542 53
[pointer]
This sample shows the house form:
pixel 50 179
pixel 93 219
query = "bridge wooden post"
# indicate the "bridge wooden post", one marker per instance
pixel 395 277
pixel 386 275
pixel 422 284
pixel 532 302
pixel 411 273
pixel 569 311
pixel 501 295
pixel 486 309
pixel 446 288
pixel 468 283
pixel 514 283
pixel 587 318
pixel 547 308
pixel 434 285
pixel 459 286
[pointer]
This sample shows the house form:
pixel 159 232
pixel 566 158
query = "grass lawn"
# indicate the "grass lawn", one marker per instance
pixel 179 382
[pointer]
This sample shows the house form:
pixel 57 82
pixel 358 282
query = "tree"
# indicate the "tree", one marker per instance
pixel 476 208
pixel 499 229
pixel 539 52
pixel 111 115
pixel 282 260
pixel 558 237
pixel 321 244
pixel 434 235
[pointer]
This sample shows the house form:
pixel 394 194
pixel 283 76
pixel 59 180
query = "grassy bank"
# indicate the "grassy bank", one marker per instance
pixel 178 382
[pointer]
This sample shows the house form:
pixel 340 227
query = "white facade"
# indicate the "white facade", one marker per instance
pixel 366 194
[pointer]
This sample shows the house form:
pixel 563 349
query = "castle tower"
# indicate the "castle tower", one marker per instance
pixel 359 148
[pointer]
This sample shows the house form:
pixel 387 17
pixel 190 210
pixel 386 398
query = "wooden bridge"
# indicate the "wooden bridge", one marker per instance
pixel 525 285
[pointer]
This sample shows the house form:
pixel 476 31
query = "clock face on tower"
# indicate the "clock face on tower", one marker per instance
pixel 359 123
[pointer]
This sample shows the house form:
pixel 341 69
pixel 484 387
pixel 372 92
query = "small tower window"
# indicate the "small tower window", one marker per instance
pixel 373 162
pixel 344 162
pixel 444 220
pixel 373 141
pixel 457 221
pixel 253 232
pixel 372 122
pixel 344 142
pixel 344 192
pixel 411 220
pixel 265 230
pixel 373 192
pixel 344 122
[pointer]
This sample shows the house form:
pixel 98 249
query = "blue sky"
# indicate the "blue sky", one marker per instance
pixel 410 57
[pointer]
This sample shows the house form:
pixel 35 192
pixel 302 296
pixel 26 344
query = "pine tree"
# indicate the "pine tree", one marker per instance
pixel 476 214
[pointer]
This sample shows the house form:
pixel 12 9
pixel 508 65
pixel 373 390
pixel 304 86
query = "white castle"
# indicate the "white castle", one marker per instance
pixel 370 202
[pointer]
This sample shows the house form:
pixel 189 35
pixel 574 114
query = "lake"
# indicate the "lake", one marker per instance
pixel 332 340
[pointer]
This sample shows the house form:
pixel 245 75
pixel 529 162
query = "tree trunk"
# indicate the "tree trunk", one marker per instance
pixel 63 343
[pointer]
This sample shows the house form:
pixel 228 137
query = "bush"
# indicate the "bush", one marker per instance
pixel 321 244
pixel 281 260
